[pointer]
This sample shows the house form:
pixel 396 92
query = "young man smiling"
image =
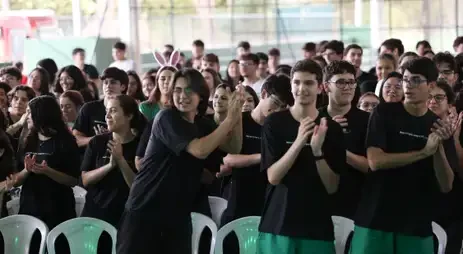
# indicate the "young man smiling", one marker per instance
pixel 409 167
pixel 303 155
pixel 340 86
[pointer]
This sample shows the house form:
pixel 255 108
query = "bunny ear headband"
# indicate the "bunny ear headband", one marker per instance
pixel 173 60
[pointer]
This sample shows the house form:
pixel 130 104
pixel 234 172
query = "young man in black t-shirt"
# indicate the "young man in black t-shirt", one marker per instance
pixel 409 167
pixel 303 155
pixel 340 86
pixel 248 184
pixel 91 119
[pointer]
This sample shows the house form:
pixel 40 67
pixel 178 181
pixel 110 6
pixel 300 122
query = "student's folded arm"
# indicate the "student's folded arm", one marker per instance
pixel 333 162
pixel 358 162
pixel 442 170
pixel 242 160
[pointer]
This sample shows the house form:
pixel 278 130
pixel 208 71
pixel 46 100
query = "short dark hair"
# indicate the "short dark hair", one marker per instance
pixel 274 52
pixel 423 66
pixel 321 59
pixel 447 58
pixel 338 67
pixel 406 54
pixel 244 44
pixel 442 84
pixel 262 56
pixel 284 69
pixel 423 43
pixel 392 44
pixel 352 46
pixel 29 92
pixel 117 74
pixel 252 57
pixel 210 57
pixel 13 71
pixel 197 83
pixel 309 66
pixel 169 46
pixel 77 50
pixel 321 46
pixel 336 46
pixel 120 45
pixel 458 41
pixel 198 43
pixel 429 52
pixel 280 86
pixel 309 46
pixel 19 64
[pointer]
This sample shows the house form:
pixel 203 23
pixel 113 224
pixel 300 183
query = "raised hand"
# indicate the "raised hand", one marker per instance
pixel 306 128
pixel 99 129
pixel 432 144
pixel 29 162
pixel 318 137
pixel 235 106
pixel 444 128
pixel 41 168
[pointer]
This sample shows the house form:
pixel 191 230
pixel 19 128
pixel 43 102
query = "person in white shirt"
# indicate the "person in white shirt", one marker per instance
pixel 248 69
pixel 120 61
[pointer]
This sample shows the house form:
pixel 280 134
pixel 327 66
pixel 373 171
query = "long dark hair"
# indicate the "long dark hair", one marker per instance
pixel 50 67
pixel 197 83
pixel 139 93
pixel 48 121
pixel 130 107
pixel 44 80
pixel 155 95
pixel 73 72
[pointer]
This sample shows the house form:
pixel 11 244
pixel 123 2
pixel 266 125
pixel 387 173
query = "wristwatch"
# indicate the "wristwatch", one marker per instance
pixel 317 158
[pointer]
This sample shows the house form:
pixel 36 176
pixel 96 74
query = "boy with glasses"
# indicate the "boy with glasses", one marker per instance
pixel 447 67
pixel 408 168
pixel 340 86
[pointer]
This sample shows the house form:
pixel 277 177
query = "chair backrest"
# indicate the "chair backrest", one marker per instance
pixel 82 234
pixel 246 229
pixel 13 206
pixel 17 231
pixel 80 203
pixel 441 237
pixel 79 191
pixel 218 206
pixel 342 228
pixel 199 223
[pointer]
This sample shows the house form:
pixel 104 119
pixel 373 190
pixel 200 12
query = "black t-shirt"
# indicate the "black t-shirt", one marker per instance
pixel 144 139
pixel 90 115
pixel 449 207
pixel 351 182
pixel 41 196
pixel 300 205
pixel 111 192
pixel 401 199
pixel 169 179
pixel 359 90
pixel 248 185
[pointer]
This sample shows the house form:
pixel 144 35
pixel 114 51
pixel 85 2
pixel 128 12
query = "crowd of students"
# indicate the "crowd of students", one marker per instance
pixel 292 144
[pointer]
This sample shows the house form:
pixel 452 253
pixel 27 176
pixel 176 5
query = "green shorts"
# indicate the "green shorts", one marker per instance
pixel 278 244
pixel 370 241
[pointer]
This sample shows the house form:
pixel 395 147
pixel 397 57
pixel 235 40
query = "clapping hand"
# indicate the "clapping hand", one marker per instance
pixel 318 137
pixel 444 128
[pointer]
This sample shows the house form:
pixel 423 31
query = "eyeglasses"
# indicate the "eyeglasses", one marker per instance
pixel 438 97
pixel 343 83
pixel 246 64
pixel 446 72
pixel 414 81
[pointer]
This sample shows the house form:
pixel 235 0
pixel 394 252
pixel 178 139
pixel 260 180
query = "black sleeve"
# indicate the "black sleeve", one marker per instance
pixel 272 149
pixel 144 139
pixel 334 149
pixel 89 162
pixel 175 132
pixel 71 153
pixel 83 123
pixel 376 133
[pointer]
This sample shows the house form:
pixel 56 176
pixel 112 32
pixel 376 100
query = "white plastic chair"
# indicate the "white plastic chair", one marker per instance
pixel 13 206
pixel 218 206
pixel 82 234
pixel 80 202
pixel 79 191
pixel 342 228
pixel 441 237
pixel 246 230
pixel 199 223
pixel 17 231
